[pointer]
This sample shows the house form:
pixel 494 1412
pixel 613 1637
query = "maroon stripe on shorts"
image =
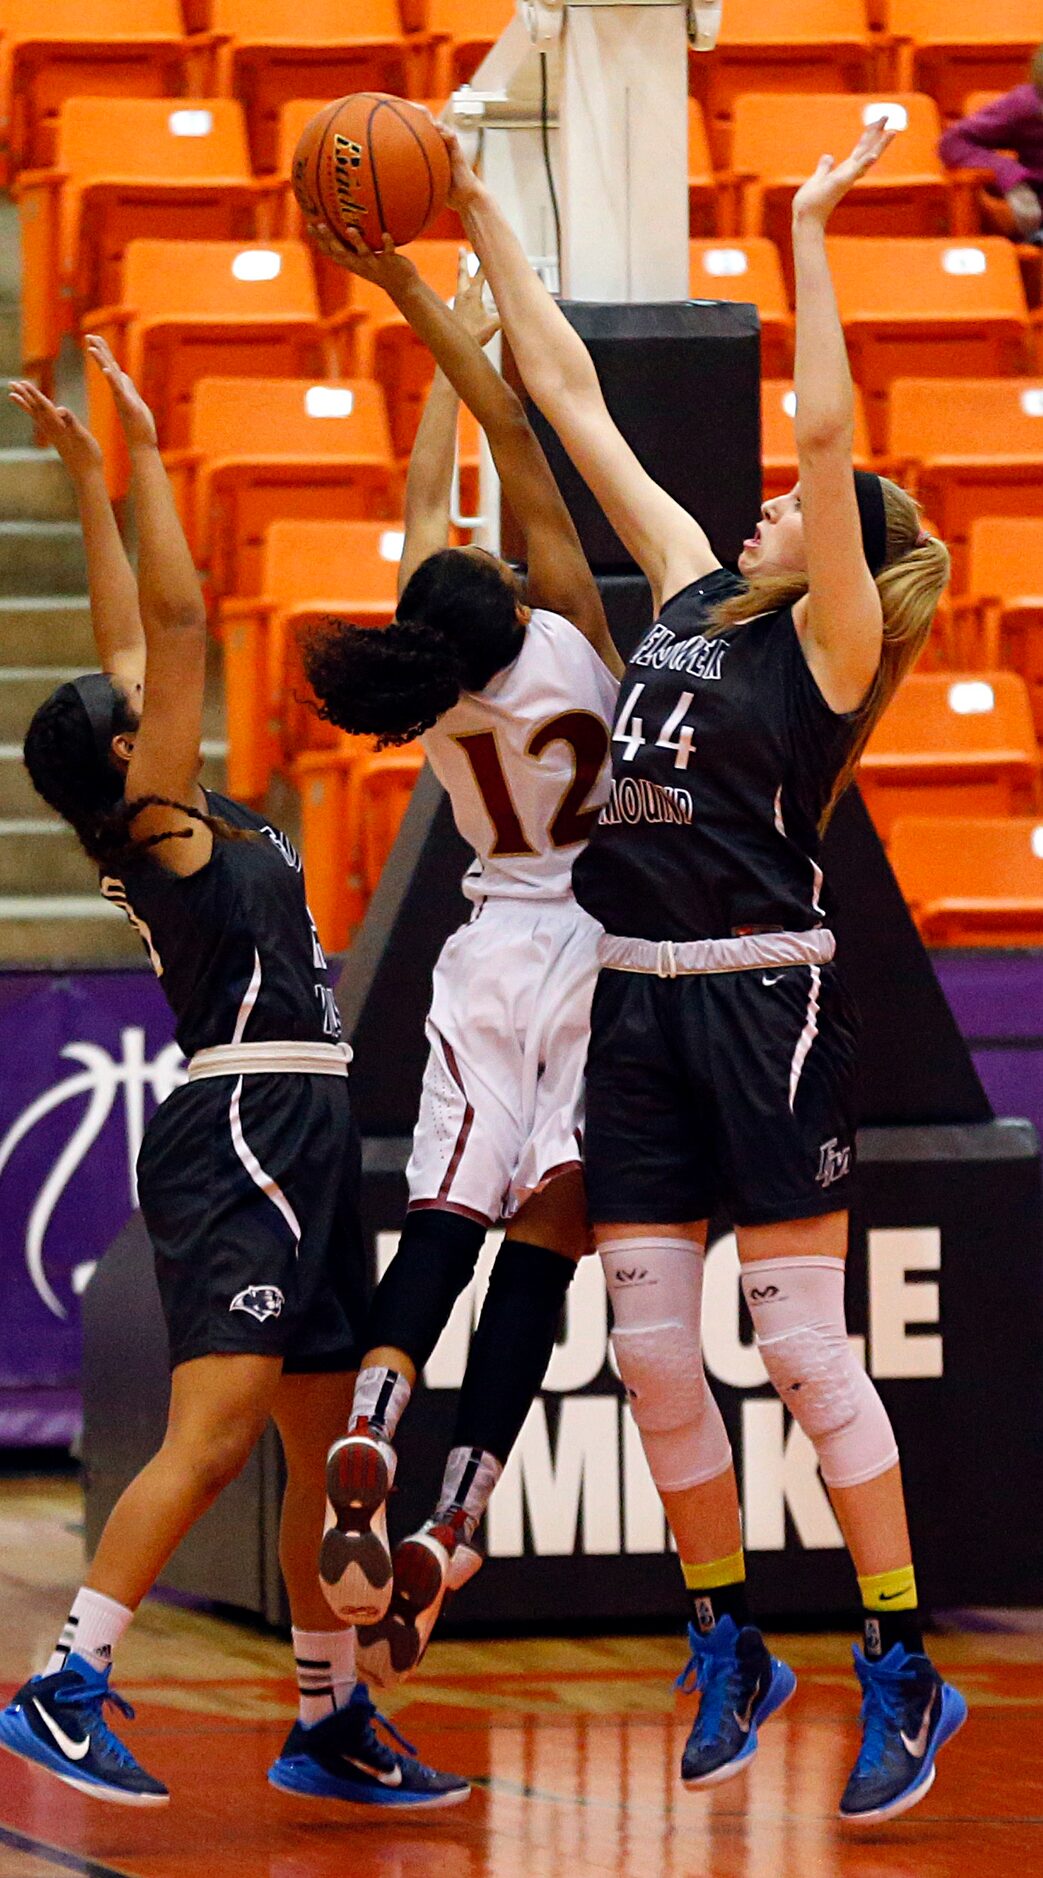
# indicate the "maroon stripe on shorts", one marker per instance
pixel 465 1126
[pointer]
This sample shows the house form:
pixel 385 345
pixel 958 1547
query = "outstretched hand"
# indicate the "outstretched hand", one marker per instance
pixel 463 182
pixel 818 197
pixel 56 428
pixel 139 425
pixel 469 306
pixel 387 268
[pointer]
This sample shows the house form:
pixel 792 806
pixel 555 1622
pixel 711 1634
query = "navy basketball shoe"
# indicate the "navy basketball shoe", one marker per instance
pixel 355 1559
pixel 57 1722
pixel 741 1684
pixel 343 1758
pixel 908 1713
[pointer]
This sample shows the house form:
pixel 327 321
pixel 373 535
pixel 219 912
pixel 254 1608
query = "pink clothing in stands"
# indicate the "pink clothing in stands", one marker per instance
pixel 1014 122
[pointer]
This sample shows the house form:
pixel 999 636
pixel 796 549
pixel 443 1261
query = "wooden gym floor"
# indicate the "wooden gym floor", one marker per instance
pixel 573 1747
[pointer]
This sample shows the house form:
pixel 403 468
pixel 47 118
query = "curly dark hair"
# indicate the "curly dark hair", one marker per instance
pixel 86 788
pixel 456 627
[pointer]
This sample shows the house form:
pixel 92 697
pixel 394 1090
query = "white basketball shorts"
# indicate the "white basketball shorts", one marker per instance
pixel 501 1111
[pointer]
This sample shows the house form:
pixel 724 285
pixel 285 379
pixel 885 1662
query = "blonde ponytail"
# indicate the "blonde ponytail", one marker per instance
pixel 910 584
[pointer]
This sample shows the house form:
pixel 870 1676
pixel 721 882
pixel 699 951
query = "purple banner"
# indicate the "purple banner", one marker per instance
pixel 997 1000
pixel 85 1059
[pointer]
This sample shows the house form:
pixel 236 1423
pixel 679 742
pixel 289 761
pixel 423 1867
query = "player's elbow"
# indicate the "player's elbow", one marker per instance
pixel 186 616
pixel 826 433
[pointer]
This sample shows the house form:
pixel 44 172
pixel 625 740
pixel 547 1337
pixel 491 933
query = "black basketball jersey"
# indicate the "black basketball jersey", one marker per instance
pixel 724 756
pixel 234 945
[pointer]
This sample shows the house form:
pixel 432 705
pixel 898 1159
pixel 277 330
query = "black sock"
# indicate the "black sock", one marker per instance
pixel 881 1630
pixel 512 1345
pixel 708 1607
pixel 435 1261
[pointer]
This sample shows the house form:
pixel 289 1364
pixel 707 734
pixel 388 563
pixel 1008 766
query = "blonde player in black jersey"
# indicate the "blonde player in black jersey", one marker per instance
pixel 720 1066
pixel 248 1174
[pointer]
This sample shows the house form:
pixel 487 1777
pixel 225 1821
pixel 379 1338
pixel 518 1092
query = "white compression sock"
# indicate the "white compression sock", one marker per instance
pixel 325 1663
pixel 380 1397
pixel 467 1485
pixel 93 1628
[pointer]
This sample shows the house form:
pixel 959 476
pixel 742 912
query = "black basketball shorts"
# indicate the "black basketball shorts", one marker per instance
pixel 729 1091
pixel 249 1189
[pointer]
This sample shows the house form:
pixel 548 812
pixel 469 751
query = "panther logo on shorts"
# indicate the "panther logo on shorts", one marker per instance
pixel 260 1301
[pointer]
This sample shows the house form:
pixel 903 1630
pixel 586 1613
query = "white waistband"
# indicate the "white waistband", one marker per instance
pixel 270 1059
pixel 668 958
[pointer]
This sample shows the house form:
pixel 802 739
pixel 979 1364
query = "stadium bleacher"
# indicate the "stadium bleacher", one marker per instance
pixel 149 149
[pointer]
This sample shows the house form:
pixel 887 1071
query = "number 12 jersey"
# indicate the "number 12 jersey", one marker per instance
pixel 525 763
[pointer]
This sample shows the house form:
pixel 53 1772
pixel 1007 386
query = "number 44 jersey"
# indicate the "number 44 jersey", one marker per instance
pixel 525 762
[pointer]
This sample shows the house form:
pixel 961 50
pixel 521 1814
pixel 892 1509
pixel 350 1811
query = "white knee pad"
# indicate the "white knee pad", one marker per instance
pixel 797 1307
pixel 656 1288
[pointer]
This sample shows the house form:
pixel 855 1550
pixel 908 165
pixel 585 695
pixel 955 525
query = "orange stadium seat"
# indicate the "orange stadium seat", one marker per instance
pixel 309 570
pixel 778 141
pixel 126 167
pixel 952 743
pixel 972 882
pixel 927 307
pixel 778 448
pixel 264 449
pixel 329 849
pixel 1005 598
pixel 967 447
pixel 789 45
pixel 747 270
pixel 378 342
pixel 702 184
pixel 267 51
pixel 204 309
pixel 461 33
pixel 62 49
pixel 352 806
pixel 953 47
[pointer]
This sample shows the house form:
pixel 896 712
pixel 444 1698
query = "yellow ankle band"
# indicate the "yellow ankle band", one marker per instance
pixel 718 1572
pixel 889 1591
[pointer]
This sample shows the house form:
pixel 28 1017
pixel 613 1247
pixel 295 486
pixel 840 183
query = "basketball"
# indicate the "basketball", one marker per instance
pixel 371 163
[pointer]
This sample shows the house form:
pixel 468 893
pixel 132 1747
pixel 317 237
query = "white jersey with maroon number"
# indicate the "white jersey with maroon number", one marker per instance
pixel 525 762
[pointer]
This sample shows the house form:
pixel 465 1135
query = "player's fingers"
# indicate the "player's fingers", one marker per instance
pixel 462 275
pixel 388 244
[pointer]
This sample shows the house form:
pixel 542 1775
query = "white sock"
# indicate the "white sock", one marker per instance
pixel 467 1485
pixel 380 1397
pixel 325 1662
pixel 93 1628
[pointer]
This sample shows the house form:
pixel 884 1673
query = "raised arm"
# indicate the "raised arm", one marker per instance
pixel 112 588
pixel 841 621
pixel 665 541
pixel 429 483
pixel 165 756
pixel 558 574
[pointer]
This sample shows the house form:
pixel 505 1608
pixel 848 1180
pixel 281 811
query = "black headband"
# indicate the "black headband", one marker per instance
pixel 869 495
pixel 99 700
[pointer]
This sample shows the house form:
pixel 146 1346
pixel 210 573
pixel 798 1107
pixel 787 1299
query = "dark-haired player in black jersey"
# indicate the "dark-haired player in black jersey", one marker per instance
pixel 248 1174
pixel 722 1047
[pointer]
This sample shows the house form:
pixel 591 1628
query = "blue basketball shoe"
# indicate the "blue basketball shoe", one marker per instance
pixel 908 1713
pixel 57 1722
pixel 741 1684
pixel 343 1758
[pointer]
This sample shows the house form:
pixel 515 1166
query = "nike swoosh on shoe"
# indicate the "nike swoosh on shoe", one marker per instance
pixel 392 1779
pixel 76 1750
pixel 917 1747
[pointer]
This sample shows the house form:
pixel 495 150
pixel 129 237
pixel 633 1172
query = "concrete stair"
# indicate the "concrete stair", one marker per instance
pixel 51 913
